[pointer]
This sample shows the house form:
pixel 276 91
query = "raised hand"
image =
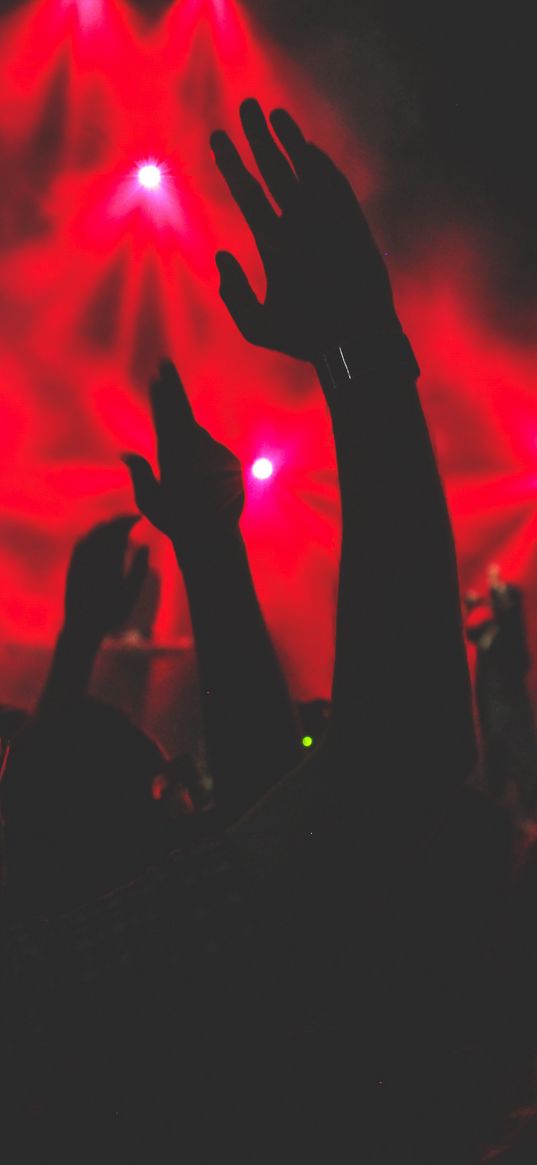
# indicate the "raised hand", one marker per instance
pixel 200 494
pixel 198 502
pixel 325 277
pixel 100 594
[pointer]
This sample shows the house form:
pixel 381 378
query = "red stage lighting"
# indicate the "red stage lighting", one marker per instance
pixel 148 187
pixel 149 175
pixel 262 468
pixel 89 12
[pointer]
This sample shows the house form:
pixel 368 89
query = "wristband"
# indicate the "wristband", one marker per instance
pixel 389 355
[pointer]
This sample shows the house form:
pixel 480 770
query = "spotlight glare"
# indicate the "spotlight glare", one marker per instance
pixel 149 176
pixel 262 468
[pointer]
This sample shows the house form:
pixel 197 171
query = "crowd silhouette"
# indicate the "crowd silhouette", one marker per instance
pixel 296 956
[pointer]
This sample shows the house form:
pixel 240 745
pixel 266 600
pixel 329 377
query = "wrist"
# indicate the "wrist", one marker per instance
pixel 209 550
pixel 358 357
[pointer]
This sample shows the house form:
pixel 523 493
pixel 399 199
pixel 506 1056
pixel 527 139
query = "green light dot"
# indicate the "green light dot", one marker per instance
pixel 307 741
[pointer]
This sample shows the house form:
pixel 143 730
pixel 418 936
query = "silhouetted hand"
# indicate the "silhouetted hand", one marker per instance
pixel 99 594
pixel 200 494
pixel 325 277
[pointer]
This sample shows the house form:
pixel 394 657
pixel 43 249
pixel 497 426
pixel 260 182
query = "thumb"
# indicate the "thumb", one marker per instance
pixel 239 298
pixel 145 485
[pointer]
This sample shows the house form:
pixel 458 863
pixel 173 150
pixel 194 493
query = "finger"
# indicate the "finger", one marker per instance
pixel 170 381
pixel 174 420
pixel 243 187
pixel 273 165
pixel 312 163
pixel 291 137
pixel 241 302
pixel 145 485
pixel 134 579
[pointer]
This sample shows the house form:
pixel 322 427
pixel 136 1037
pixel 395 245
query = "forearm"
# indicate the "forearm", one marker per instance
pixel 250 728
pixel 401 690
pixel 70 671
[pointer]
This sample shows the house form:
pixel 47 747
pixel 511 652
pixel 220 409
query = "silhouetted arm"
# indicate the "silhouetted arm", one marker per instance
pixel 401 693
pixel 402 723
pixel 250 729
pixel 99 596
pixel 251 732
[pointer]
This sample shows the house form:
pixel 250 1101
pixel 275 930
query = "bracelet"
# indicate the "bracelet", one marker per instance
pixel 389 355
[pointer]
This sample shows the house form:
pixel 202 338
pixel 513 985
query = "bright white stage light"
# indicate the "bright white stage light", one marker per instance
pixel 262 468
pixel 149 176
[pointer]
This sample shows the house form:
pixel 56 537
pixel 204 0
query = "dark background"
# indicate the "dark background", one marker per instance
pixel 445 93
